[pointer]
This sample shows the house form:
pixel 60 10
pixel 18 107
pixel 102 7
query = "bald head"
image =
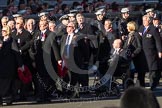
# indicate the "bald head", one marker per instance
pixel 117 43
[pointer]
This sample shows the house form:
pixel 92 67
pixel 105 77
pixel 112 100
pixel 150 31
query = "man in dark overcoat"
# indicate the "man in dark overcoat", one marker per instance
pixel 152 46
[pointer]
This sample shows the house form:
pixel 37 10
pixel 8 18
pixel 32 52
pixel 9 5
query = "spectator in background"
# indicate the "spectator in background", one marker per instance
pixel 22 5
pixel 10 8
pixel 110 32
pixel 122 23
pixel 65 8
pixel 11 24
pixel 4 20
pixel 45 6
pixel 6 12
pixel 52 26
pixel 115 7
pixel 30 26
pixel 15 10
pixel 137 97
pixel 150 12
pixel 28 11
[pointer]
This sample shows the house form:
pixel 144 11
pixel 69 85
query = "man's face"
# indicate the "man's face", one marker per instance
pixel 125 15
pixel 100 17
pixel 80 20
pixel 70 28
pixel 4 22
pixel 52 27
pixel 107 25
pixel 19 24
pixel 11 24
pixel 156 22
pixel 30 25
pixel 65 21
pixel 117 43
pixel 43 25
pixel 145 21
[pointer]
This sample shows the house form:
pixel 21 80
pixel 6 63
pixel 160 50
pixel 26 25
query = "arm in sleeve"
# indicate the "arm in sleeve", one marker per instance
pixel 27 43
pixel 139 44
pixel 157 38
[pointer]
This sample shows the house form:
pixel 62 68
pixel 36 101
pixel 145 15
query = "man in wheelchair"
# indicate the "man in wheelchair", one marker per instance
pixel 119 64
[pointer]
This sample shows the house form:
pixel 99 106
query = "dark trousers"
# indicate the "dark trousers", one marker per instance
pixel 154 78
pixel 141 78
pixel 79 78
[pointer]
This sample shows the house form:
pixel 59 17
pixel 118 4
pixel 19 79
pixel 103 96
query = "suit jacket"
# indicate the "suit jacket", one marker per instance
pixel 87 29
pixel 81 53
pixel 23 42
pixel 151 44
pixel 48 46
pixel 123 63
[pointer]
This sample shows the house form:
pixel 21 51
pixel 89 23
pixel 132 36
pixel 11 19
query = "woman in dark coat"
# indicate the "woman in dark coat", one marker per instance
pixel 135 43
pixel 10 62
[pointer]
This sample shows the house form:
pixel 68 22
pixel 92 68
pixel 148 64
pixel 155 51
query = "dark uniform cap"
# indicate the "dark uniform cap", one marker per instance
pixel 64 17
pixel 157 17
pixel 74 11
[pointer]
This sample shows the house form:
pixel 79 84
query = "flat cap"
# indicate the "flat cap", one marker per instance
pixel 124 10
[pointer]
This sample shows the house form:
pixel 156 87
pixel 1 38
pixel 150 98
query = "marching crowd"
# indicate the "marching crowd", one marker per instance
pixel 24 43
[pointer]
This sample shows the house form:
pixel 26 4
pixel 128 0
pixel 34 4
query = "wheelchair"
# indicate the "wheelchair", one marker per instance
pixel 112 87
